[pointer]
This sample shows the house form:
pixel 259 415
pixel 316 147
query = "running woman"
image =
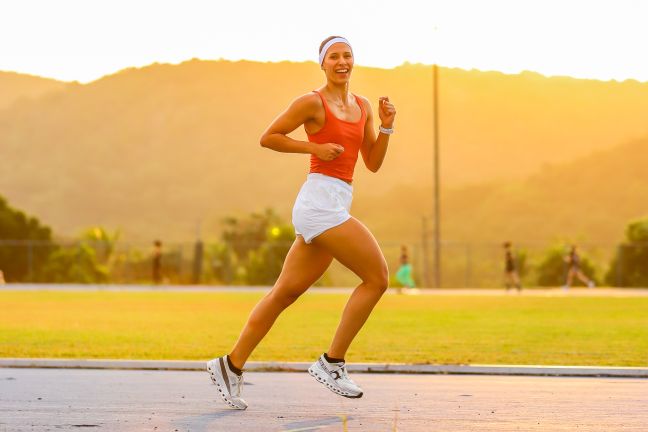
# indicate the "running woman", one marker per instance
pixel 511 276
pixel 573 269
pixel 404 272
pixel 339 125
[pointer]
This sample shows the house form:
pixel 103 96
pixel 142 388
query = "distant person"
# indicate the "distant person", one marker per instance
pixel 157 262
pixel 2 279
pixel 404 273
pixel 573 269
pixel 511 275
pixel 340 128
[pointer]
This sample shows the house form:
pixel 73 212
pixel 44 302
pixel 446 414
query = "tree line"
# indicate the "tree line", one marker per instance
pixel 250 251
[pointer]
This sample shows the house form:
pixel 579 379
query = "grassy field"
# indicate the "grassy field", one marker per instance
pixel 410 329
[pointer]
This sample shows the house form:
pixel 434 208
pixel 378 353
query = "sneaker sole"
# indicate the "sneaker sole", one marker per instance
pixel 331 387
pixel 220 384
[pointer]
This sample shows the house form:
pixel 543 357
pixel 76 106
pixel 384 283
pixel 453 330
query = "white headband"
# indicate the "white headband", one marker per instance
pixel 328 45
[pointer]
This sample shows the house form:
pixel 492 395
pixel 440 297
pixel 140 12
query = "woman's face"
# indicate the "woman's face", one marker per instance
pixel 338 63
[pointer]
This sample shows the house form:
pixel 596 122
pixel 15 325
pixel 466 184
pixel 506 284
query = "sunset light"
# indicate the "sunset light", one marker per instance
pixel 80 40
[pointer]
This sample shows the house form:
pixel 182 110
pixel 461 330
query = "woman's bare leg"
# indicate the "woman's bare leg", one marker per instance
pixel 570 277
pixel 353 245
pixel 303 266
pixel 580 275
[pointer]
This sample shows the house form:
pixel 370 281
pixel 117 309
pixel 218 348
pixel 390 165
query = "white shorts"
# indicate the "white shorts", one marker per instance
pixel 323 202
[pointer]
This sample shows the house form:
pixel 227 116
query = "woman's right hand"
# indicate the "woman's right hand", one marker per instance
pixel 327 151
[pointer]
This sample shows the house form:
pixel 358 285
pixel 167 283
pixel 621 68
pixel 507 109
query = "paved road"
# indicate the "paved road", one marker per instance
pixel 118 400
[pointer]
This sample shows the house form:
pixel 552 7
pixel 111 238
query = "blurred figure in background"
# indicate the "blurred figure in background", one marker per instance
pixel 2 279
pixel 157 262
pixel 511 275
pixel 573 269
pixel 404 273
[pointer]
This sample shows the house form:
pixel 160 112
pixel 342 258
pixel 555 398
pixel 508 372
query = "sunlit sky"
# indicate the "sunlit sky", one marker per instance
pixel 85 39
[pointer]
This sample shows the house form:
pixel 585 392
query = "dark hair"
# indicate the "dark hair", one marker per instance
pixel 507 244
pixel 326 40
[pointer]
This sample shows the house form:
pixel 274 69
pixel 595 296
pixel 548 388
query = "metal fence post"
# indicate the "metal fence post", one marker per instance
pixel 30 261
pixel 197 262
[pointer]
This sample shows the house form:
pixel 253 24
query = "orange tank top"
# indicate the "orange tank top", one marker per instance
pixel 347 134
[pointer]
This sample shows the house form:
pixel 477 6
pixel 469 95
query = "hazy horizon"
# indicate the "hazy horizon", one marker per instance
pixel 72 40
pixel 404 64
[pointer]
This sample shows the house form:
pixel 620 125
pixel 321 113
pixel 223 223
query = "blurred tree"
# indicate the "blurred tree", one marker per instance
pixel 76 264
pixel 245 235
pixel 87 261
pixel 629 266
pixel 264 264
pixel 103 242
pixel 552 270
pixel 221 262
pixel 522 262
pixel 253 249
pixel 24 243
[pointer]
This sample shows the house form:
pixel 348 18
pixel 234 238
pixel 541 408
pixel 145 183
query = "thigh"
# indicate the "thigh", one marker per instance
pixel 303 266
pixel 353 245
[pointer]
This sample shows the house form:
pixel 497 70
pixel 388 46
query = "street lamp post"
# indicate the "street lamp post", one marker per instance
pixel 437 203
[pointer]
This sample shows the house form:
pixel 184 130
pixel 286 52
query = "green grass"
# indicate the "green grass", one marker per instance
pixel 410 329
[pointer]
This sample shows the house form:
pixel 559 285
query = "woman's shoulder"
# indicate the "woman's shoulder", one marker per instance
pixel 362 98
pixel 308 101
pixel 365 102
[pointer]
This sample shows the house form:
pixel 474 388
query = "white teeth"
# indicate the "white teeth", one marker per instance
pixel 343 70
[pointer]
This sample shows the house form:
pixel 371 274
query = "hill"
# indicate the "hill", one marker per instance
pixel 590 199
pixel 156 149
pixel 14 86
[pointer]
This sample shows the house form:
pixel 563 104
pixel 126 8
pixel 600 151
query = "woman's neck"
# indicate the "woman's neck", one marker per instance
pixel 337 92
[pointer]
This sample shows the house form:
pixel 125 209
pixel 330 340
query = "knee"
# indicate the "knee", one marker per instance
pixel 379 280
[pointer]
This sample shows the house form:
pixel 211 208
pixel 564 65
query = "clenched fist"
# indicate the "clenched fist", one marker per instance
pixel 386 112
pixel 328 151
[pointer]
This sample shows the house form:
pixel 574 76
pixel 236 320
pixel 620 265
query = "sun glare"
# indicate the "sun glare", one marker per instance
pixel 79 40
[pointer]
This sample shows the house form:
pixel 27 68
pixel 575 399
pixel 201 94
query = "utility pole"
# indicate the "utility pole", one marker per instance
pixel 437 203
pixel 198 257
pixel 424 243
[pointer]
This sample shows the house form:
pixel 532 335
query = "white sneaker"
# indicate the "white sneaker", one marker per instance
pixel 229 384
pixel 335 377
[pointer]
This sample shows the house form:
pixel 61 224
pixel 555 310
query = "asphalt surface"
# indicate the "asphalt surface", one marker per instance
pixel 130 400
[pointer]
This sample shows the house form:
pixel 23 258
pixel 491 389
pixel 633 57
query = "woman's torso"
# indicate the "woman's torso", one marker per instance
pixel 347 131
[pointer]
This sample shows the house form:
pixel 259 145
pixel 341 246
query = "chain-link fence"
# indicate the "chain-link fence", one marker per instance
pixel 472 265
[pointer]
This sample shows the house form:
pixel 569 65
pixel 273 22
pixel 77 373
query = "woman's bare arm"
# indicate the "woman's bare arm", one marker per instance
pixel 299 112
pixel 374 149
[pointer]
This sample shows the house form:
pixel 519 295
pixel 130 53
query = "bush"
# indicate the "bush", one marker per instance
pixel 264 264
pixel 88 261
pixel 77 264
pixel 253 249
pixel 629 266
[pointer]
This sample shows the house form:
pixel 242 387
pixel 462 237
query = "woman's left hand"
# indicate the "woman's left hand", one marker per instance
pixel 386 111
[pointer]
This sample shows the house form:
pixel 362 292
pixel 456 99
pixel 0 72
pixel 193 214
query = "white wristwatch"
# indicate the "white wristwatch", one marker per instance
pixel 386 131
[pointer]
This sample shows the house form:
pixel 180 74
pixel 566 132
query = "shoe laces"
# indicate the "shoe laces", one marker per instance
pixel 345 374
pixel 239 385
